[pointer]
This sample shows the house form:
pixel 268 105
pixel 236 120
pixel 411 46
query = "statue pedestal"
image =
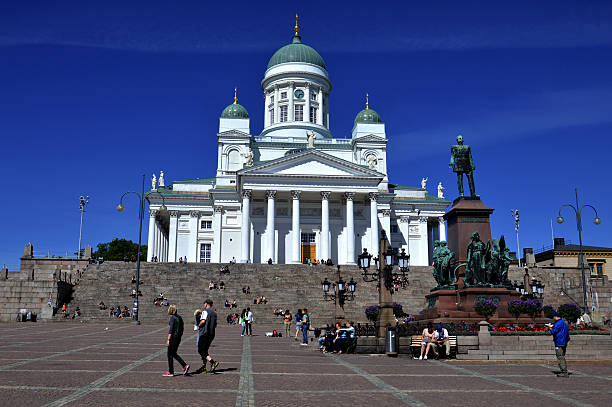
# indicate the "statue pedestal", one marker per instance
pixel 466 216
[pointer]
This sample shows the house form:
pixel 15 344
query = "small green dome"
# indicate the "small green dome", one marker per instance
pixel 235 111
pixel 368 115
pixel 297 52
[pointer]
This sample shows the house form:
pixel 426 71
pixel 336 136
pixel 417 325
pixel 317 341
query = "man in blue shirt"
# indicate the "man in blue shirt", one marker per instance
pixel 560 333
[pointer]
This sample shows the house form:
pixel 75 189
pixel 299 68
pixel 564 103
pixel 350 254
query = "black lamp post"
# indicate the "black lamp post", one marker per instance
pixel 388 274
pixel 597 221
pixel 121 208
pixel 343 291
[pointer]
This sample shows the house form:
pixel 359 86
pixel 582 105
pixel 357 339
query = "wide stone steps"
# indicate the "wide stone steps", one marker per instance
pixel 186 285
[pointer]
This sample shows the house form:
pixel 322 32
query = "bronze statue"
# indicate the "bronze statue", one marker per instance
pixel 461 162
pixel 475 270
pixel 442 256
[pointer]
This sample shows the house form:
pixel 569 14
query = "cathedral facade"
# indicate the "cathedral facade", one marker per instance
pixel 293 193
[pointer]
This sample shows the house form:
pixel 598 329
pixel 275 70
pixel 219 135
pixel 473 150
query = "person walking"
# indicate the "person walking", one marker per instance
pixel 287 321
pixel 305 327
pixel 249 321
pixel 560 333
pixel 175 333
pixel 298 323
pixel 206 335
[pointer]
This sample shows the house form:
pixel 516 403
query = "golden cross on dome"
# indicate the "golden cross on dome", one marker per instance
pixel 297 27
pixel 367 101
pixel 235 95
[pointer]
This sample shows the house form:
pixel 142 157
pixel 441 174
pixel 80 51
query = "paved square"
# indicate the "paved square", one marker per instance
pixel 70 364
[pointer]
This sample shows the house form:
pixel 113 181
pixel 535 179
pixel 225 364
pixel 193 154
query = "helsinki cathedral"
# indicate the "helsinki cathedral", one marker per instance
pixel 294 192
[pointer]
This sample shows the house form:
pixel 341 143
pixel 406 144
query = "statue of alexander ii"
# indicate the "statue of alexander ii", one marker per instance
pixel 461 162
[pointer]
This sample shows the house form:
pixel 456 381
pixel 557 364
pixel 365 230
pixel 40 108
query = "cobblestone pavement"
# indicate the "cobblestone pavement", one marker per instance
pixel 65 364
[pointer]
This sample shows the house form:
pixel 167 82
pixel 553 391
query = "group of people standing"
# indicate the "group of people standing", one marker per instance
pixel 205 324
pixel 246 320
pixel 302 324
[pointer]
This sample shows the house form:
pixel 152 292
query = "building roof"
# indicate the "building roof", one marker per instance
pixel 575 248
pixel 197 181
pixel 297 52
pixel 235 111
pixel 368 115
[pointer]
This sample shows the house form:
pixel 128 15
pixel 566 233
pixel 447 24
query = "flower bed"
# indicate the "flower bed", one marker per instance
pixel 535 330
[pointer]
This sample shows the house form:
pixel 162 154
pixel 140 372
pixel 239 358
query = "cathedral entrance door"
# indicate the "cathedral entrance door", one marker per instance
pixel 309 247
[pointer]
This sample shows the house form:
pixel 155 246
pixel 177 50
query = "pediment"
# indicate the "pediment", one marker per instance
pixel 371 138
pixel 233 133
pixel 310 163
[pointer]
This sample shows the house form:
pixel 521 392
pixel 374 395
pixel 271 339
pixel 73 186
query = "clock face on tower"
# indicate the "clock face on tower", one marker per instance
pixel 299 93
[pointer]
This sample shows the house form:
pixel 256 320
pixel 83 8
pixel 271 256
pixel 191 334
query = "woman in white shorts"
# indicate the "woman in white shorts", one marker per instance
pixel 426 340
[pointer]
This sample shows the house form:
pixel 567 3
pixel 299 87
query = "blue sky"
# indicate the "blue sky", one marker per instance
pixel 94 94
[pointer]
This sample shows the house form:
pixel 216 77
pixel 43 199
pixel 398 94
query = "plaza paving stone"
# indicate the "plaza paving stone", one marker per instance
pixel 75 364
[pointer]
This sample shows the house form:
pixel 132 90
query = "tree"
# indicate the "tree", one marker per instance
pixel 118 249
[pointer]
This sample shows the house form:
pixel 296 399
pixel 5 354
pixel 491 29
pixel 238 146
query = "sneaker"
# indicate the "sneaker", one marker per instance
pixel 304 344
pixel 425 357
pixel 168 374
pixel 421 357
pixel 213 366
pixel 185 370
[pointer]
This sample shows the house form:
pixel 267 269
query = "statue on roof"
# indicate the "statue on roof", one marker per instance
pixel 440 190
pixel 161 179
pixel 248 158
pixel 311 136
pixel 372 161
pixel 461 163
pixel 154 182
pixel 424 183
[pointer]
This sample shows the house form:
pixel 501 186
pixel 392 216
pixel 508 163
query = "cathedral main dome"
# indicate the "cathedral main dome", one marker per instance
pixel 297 52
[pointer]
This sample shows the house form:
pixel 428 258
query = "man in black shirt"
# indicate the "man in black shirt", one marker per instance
pixel 175 333
pixel 206 334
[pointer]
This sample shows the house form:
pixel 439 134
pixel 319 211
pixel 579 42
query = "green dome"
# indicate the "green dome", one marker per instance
pixel 368 115
pixel 296 52
pixel 235 111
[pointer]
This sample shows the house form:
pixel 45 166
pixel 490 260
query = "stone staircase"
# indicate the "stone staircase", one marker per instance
pixel 186 285
pixel 521 348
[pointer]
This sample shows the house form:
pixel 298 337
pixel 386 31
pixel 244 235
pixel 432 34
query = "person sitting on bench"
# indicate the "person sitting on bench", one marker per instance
pixel 440 339
pixel 426 340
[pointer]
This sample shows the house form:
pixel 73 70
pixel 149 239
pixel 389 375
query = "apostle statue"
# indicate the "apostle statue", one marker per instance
pixel 248 158
pixel 311 136
pixel 440 190
pixel 161 179
pixel 424 183
pixel 461 162
pixel 154 182
pixel 372 161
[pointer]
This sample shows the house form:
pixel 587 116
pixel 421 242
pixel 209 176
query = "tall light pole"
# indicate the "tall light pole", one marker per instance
pixel 120 208
pixel 515 215
pixel 83 201
pixel 597 221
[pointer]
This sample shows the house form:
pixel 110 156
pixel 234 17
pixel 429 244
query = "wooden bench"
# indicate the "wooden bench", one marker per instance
pixel 415 346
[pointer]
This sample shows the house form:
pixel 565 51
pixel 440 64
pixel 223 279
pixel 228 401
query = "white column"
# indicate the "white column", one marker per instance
pixel 386 223
pixel 442 227
pixel 350 229
pixel 404 222
pixel 266 107
pixel 423 254
pixel 325 225
pixel 291 113
pixel 245 230
pixel 320 108
pixel 150 240
pixel 216 251
pixel 307 104
pixel 276 112
pixel 172 236
pixel 270 238
pixel 295 228
pixel 373 249
pixel 192 250
pixel 156 240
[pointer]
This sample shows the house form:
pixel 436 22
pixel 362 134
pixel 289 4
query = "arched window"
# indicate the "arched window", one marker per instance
pixel 233 160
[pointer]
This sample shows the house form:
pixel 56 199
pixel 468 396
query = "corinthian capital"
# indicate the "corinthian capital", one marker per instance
pixel 373 196
pixel 174 214
pixel 270 194
pixel 325 195
pixel 296 194
pixel 153 212
pixel 349 196
pixel 246 193
pixel 194 214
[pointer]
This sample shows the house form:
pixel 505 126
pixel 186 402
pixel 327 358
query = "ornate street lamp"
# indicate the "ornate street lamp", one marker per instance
pixel 342 291
pixel 83 201
pixel 597 221
pixel 121 208
pixel 388 273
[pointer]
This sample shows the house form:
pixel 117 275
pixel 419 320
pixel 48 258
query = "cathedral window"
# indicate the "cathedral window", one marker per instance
pixel 272 99
pixel 313 114
pixel 299 113
pixel 283 95
pixel 206 224
pixel 205 251
pixel 283 114
pixel 271 116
